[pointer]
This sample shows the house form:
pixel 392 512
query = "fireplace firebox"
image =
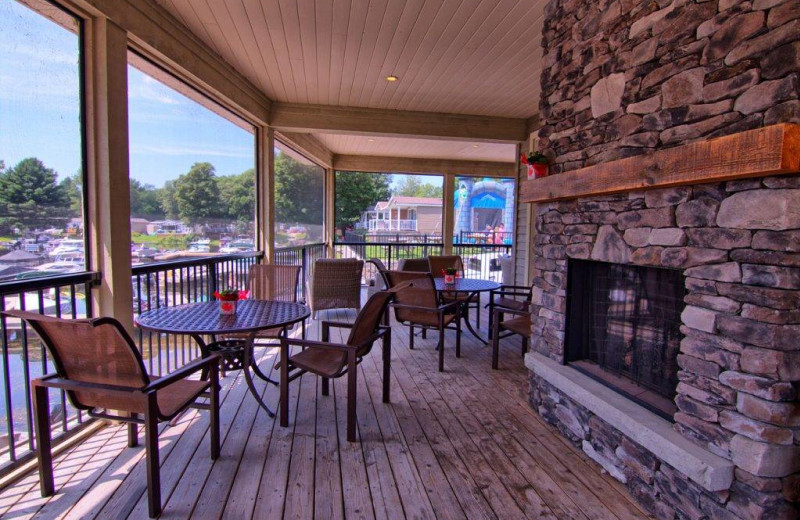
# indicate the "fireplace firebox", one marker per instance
pixel 623 329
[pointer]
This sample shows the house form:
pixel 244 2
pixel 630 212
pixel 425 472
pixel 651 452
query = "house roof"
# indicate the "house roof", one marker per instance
pixel 18 256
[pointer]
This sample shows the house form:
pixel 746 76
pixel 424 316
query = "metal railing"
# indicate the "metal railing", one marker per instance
pixel 303 256
pixel 166 284
pixel 480 260
pixel 24 358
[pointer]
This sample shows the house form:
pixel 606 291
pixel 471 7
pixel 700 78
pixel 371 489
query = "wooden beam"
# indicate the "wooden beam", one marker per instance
pixel 372 121
pixel 266 167
pixel 156 34
pixel 765 151
pixel 307 145
pixel 533 124
pixel 109 210
pixel 374 163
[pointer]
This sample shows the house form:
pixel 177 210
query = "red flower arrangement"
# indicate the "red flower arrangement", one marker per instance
pixel 228 298
pixel 536 163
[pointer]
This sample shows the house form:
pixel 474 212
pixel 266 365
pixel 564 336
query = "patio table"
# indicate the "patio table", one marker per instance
pixel 469 286
pixel 199 319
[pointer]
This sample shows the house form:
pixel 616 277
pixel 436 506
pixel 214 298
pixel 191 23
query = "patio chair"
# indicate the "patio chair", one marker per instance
pixel 330 360
pixel 100 368
pixel 512 297
pixel 335 284
pixel 274 282
pixel 419 265
pixel 417 305
pixel 378 283
pixel 521 325
pixel 436 264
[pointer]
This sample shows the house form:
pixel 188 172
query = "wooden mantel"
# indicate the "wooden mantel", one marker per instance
pixel 765 151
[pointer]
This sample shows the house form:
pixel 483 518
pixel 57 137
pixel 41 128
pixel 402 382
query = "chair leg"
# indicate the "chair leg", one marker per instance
pixel 326 386
pixel 411 336
pixel 151 448
pixel 387 361
pixel 351 395
pixel 524 346
pixel 284 388
pixel 440 348
pixel 214 411
pixel 458 337
pixel 495 344
pixel 41 407
pixel 491 316
pixel 133 432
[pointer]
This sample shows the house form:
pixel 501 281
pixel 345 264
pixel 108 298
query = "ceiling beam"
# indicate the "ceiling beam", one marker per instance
pixel 307 145
pixel 397 123
pixel 374 163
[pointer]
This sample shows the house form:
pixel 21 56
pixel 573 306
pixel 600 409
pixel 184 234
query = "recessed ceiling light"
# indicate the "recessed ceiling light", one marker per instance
pixel 476 146
pixel 371 140
pixel 392 78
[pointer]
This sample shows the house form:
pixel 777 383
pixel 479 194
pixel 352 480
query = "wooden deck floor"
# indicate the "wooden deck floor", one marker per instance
pixel 459 444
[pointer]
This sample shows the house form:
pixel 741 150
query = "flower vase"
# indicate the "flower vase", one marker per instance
pixel 539 170
pixel 449 279
pixel 227 307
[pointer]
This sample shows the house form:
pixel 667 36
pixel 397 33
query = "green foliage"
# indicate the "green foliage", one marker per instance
pixel 145 201
pixel 299 193
pixel 167 200
pixel 239 195
pixel 412 186
pixel 197 195
pixel 31 198
pixel 357 191
pixel 73 187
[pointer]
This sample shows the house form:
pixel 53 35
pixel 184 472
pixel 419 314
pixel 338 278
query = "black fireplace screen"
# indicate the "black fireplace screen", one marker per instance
pixel 625 321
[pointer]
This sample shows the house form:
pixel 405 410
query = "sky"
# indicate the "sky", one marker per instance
pixel 40 109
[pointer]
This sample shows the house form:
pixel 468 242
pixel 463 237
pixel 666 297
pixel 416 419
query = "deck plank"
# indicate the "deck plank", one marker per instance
pixel 460 444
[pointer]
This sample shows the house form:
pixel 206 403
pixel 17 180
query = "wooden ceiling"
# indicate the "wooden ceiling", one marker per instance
pixel 422 148
pixel 477 57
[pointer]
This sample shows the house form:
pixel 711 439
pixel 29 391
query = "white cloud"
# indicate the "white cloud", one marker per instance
pixel 191 150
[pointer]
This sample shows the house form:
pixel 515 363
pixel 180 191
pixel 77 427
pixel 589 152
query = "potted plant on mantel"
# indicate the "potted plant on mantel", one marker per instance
pixel 537 164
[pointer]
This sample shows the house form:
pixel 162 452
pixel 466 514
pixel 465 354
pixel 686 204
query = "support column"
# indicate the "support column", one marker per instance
pixel 265 151
pixel 329 219
pixel 108 182
pixel 448 213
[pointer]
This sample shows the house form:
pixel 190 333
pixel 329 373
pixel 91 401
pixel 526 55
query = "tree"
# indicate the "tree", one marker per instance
pixel 30 197
pixel 412 186
pixel 356 192
pixel 239 194
pixel 31 181
pixel 167 200
pixel 197 194
pixel 145 201
pixel 73 187
pixel 299 193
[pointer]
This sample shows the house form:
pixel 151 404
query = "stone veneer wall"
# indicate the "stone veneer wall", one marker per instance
pixel 737 243
pixel 623 77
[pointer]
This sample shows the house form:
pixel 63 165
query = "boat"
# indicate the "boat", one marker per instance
pixel 200 246
pixel 68 246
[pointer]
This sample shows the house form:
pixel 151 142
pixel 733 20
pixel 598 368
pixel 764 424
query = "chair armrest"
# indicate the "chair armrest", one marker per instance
pixel 340 324
pixel 181 373
pixel 315 344
pixel 53 381
pixel 504 310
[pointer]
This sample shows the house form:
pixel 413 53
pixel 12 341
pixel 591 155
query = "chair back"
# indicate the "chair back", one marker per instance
pixel 438 263
pixel 95 350
pixel 419 265
pixel 336 283
pixel 368 321
pixel 417 290
pixel 273 282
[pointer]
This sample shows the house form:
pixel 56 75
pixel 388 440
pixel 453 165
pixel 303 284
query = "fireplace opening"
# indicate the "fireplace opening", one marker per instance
pixel 623 329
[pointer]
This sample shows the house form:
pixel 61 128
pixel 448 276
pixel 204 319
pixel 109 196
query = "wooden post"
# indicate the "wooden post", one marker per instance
pixel 448 214
pixel 108 182
pixel 266 191
pixel 329 223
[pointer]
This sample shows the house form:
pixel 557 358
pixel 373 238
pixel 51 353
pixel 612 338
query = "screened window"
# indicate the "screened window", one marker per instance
pixel 192 170
pixel 41 142
pixel 299 199
pixel 483 211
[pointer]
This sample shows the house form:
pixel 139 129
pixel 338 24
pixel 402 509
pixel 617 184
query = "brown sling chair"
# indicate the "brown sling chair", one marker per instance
pixel 330 360
pixel 436 264
pixel 417 305
pixel 100 368
pixel 519 324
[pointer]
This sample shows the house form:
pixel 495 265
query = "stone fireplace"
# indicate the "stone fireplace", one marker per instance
pixel 662 120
